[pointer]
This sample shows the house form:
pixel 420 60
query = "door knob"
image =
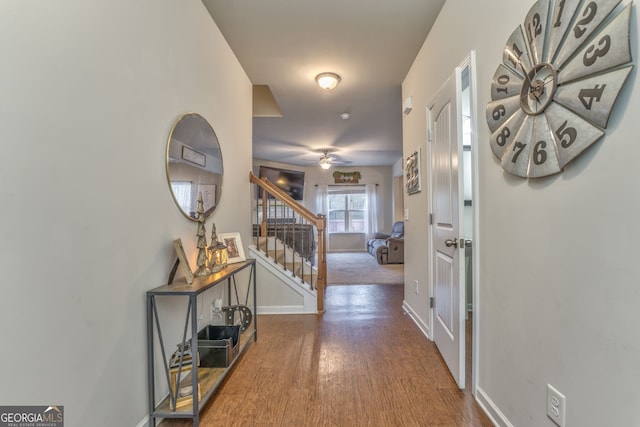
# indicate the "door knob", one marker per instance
pixel 450 242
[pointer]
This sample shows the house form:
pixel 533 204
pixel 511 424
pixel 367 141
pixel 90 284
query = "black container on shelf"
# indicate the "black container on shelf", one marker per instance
pixel 218 345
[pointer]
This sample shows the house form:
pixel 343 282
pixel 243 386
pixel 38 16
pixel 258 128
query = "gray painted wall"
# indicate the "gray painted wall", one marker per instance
pixel 558 276
pixel 90 91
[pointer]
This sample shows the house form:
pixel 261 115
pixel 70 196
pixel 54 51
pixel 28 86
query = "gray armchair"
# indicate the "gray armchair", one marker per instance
pixel 388 248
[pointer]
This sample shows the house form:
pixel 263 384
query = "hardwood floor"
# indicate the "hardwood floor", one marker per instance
pixel 363 363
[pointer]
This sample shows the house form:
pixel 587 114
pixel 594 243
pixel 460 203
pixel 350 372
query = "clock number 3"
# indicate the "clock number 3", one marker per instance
pixel 592 54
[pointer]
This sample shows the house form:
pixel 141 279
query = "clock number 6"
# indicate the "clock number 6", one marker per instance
pixel 567 135
pixel 539 155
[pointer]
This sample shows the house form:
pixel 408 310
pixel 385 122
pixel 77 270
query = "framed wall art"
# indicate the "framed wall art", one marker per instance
pixel 234 246
pixel 412 172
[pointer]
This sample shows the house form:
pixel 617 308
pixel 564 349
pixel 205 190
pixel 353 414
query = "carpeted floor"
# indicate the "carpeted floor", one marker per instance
pixel 351 268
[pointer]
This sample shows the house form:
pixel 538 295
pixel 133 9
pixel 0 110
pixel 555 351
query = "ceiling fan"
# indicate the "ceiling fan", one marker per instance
pixel 326 161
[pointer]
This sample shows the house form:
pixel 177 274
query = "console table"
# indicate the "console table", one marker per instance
pixel 204 380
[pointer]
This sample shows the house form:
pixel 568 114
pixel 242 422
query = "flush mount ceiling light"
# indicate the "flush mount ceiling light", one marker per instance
pixel 328 81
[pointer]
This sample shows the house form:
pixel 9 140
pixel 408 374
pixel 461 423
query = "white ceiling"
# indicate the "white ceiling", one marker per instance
pixel 371 44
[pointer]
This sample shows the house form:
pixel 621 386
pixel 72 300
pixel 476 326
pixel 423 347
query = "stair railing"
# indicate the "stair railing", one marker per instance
pixel 292 226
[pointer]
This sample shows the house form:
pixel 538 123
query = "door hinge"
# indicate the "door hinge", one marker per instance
pixel 430 219
pixel 429 135
pixel 431 302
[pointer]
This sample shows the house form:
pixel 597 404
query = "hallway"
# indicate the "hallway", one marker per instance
pixel 363 363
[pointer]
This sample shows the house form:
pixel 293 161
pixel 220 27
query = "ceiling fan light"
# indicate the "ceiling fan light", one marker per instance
pixel 328 81
pixel 325 163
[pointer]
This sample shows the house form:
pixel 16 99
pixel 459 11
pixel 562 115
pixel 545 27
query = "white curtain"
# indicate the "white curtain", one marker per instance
pixel 372 210
pixel 322 200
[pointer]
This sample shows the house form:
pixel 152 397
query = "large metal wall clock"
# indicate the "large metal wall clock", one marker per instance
pixel 561 73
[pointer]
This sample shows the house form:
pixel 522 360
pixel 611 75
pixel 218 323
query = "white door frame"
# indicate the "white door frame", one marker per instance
pixel 468 62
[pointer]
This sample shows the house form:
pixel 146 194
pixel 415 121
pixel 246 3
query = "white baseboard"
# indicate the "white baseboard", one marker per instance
pixel 424 327
pixel 490 408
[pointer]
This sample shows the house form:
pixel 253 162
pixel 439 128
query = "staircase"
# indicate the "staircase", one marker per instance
pixel 290 240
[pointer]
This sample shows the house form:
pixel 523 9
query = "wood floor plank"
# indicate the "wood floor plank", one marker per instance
pixel 362 363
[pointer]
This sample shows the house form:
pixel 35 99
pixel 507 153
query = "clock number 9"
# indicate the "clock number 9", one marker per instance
pixel 498 112
pixel 502 138
pixel 567 135
pixel 589 14
pixel 539 155
pixel 591 56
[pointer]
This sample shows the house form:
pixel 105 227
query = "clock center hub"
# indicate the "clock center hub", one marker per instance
pixel 538 89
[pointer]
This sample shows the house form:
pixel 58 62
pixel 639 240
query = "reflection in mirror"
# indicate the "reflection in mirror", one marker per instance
pixel 194 165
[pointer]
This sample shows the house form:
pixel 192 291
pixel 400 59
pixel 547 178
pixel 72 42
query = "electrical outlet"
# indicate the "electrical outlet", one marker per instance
pixel 556 406
pixel 216 312
pixel 417 286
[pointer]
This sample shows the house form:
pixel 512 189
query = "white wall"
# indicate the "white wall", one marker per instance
pixel 89 93
pixel 558 256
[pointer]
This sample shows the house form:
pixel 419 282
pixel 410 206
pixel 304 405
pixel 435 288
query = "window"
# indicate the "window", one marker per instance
pixel 182 194
pixel 347 210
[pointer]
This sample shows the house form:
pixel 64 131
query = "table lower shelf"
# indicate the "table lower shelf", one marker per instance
pixel 208 381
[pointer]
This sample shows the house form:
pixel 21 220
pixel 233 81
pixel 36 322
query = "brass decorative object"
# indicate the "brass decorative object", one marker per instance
pixel 202 260
pixel 218 253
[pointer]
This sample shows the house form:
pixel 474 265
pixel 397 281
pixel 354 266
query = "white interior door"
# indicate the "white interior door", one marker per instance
pixel 448 273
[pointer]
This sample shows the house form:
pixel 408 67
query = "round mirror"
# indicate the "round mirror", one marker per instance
pixel 194 165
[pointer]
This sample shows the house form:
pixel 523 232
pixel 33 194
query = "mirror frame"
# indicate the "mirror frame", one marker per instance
pixel 191 158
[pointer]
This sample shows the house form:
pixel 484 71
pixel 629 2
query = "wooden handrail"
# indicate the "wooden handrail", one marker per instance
pixel 318 221
pixel 274 190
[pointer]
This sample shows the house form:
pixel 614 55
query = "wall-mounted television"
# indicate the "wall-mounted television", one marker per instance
pixel 291 182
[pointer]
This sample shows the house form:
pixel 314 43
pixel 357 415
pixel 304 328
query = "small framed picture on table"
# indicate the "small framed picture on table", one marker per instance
pixel 234 246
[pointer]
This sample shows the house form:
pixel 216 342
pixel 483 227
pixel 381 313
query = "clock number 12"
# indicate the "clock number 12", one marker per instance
pixel 534 32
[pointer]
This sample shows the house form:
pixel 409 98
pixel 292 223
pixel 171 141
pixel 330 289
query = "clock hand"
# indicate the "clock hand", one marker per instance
pixel 526 74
